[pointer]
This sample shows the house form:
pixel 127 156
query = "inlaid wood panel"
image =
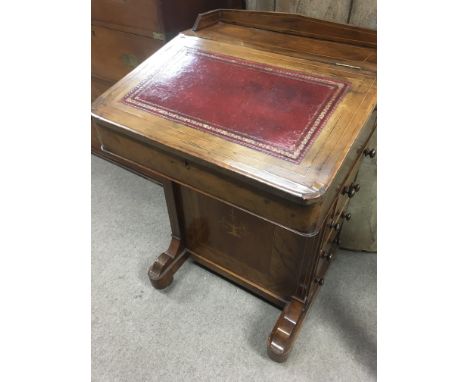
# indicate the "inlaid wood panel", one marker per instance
pixel 242 244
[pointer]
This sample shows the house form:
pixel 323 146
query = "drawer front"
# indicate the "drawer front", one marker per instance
pixel 362 234
pixel 326 256
pixel 334 222
pixel 326 250
pixel 114 54
pixel 349 190
pixel 337 216
pixel 350 187
pixel 348 170
pixel 139 14
pixel 331 227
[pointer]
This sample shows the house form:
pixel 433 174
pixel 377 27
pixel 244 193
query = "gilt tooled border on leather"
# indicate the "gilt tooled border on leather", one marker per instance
pixel 295 153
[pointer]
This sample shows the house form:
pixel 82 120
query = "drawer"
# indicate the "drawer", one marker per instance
pixel 326 256
pixel 361 234
pixel 115 53
pixel 350 187
pixel 331 226
pixel 334 223
pixel 349 190
pixel 327 248
pixel 138 14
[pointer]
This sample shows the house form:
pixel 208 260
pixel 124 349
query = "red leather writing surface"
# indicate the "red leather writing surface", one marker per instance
pixel 276 111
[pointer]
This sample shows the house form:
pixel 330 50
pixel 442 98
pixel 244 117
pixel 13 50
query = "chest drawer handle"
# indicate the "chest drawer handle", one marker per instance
pixel 351 190
pixel 328 256
pixel 336 226
pixel 320 281
pixel 347 216
pixel 371 153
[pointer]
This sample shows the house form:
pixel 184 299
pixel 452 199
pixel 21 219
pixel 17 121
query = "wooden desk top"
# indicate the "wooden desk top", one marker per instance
pixel 265 103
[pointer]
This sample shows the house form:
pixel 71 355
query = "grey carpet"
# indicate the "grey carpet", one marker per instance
pixel 204 328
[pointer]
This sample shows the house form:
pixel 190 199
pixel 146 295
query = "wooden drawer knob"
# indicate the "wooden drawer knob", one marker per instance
pixel 350 191
pixel 371 153
pixel 346 216
pixel 328 256
pixel 336 226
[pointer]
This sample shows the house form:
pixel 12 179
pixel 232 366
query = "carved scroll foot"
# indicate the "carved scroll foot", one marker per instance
pixel 162 271
pixel 284 333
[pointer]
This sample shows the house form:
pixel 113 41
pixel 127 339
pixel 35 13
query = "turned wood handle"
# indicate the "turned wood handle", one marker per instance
pixel 350 191
pixel 328 256
pixel 346 216
pixel 371 153
pixel 335 226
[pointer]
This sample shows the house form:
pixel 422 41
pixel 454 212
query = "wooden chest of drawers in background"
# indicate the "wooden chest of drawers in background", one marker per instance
pixel 126 32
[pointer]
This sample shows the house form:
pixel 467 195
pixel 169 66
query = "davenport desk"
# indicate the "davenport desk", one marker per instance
pixel 256 124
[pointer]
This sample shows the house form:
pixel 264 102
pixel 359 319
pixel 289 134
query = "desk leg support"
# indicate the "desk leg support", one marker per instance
pixel 161 273
pixel 283 335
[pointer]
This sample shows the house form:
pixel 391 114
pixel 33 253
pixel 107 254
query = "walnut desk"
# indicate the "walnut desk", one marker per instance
pixel 257 123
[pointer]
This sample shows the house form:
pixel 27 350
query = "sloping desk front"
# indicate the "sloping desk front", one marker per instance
pixel 257 123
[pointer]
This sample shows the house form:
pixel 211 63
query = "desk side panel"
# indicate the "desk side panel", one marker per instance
pixel 262 257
